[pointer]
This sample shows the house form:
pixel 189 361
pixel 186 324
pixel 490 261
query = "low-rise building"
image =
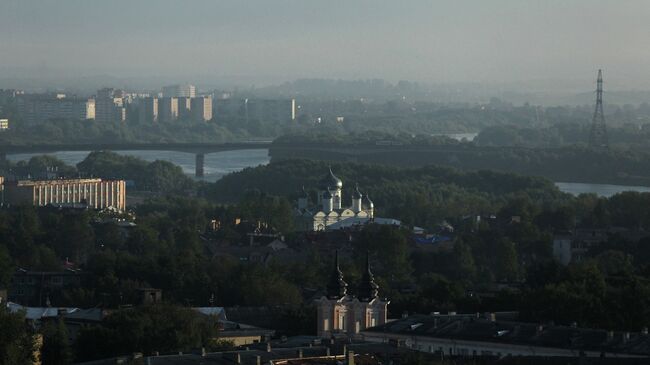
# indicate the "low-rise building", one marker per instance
pixel 95 193
pixel 577 245
pixel 37 288
pixel 475 336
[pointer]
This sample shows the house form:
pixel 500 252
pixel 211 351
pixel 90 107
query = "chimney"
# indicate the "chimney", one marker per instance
pixel 237 358
pixel 258 360
pixel 405 314
pixel 327 351
pixel 626 336
pixel 203 353
pixel 300 353
pixel 268 347
pixel 493 317
pixel 350 359
pixel 345 350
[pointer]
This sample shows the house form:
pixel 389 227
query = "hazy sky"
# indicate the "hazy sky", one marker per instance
pixel 429 40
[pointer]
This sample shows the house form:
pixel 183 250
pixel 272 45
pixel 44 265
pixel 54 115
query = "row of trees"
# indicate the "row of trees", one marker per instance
pixel 157 176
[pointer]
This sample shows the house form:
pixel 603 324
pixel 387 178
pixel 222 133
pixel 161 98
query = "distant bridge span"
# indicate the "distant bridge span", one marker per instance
pixel 198 149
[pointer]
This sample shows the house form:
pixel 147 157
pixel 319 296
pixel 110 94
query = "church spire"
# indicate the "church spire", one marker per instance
pixel 337 287
pixel 368 289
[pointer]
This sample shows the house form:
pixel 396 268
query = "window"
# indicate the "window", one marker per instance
pixel 326 324
pixel 342 325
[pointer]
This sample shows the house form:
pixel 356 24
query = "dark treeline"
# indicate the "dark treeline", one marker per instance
pixel 576 163
pixel 418 196
pixel 627 136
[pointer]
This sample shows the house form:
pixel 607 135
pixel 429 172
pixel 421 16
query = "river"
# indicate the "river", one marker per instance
pixel 221 163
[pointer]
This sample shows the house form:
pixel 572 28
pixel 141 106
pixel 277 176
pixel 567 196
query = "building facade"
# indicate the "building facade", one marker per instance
pixel 167 109
pixel 269 110
pixel 148 109
pixel 342 315
pixel 201 108
pixel 38 287
pixel 475 336
pixel 37 108
pixel 179 91
pixel 273 110
pixel 95 193
pixel 110 106
pixel 329 209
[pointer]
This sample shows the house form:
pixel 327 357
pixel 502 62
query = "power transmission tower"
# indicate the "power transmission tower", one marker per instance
pixel 598 135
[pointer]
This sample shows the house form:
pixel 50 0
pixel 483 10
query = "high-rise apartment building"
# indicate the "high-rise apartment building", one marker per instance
pixel 167 109
pixel 109 106
pixel 201 108
pixel 148 109
pixel 95 193
pixel 274 110
pixel 37 108
pixel 179 91
pixel 270 110
pixel 184 108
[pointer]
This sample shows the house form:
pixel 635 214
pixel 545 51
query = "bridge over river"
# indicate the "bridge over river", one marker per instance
pixel 198 149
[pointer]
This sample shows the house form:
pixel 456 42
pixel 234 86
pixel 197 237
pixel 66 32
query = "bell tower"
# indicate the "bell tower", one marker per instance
pixel 340 314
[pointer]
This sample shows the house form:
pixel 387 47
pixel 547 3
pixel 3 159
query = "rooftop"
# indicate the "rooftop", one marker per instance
pixel 475 328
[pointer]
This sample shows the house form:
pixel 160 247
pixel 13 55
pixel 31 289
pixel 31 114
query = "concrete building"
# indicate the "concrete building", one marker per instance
pixel 95 193
pixel 184 108
pixel 342 315
pixel 485 336
pixel 4 124
pixel 578 245
pixel 201 108
pixel 270 110
pixel 274 110
pixel 148 109
pixel 167 109
pixel 36 287
pixel 38 108
pixel 178 91
pixel 226 107
pixel 110 106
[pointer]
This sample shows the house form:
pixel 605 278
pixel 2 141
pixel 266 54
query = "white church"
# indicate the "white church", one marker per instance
pixel 329 212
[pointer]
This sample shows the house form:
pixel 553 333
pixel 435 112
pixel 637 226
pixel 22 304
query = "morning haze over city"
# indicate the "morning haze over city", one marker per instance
pixel 324 182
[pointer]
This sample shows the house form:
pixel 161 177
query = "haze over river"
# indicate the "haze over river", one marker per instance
pixel 221 163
